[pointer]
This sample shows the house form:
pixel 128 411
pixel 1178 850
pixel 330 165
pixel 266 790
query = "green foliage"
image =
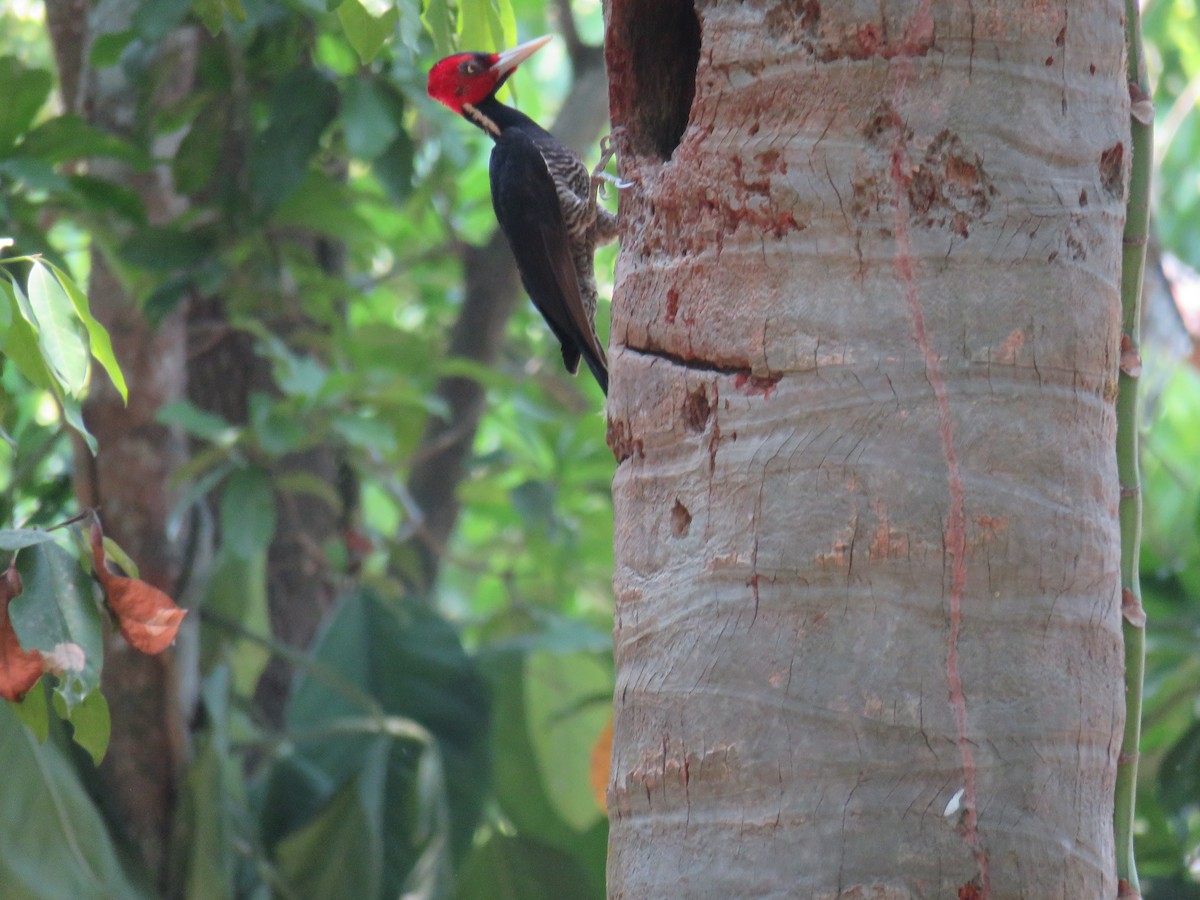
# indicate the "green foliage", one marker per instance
pixel 54 842
pixel 1168 801
pixel 1169 792
pixel 57 608
pixel 52 334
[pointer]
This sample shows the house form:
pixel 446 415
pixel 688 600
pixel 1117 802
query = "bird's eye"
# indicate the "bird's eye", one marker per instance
pixel 471 67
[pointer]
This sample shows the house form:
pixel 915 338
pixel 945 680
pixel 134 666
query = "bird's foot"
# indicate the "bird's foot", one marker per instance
pixel 608 143
pixel 600 179
pixel 608 149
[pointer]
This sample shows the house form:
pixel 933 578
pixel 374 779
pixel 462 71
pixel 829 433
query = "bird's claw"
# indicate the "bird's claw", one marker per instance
pixel 608 149
pixel 601 178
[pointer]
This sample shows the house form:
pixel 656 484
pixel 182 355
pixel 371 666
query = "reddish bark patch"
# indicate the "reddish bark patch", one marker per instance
pixel 796 21
pixel 1010 350
pixel 1112 170
pixel 622 442
pixel 970 891
pixel 882 39
pixel 696 410
pixel 950 188
pixel 751 385
pixel 681 520
pixel 672 305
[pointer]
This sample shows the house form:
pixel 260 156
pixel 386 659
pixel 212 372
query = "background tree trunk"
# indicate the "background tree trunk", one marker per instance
pixel 865 345
pixel 130 481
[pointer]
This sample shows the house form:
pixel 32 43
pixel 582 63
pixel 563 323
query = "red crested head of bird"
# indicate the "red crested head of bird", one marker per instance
pixel 473 77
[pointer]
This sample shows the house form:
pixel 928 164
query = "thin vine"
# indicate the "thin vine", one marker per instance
pixel 1133 263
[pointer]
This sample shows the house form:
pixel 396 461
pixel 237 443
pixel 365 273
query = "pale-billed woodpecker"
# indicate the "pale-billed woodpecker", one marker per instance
pixel 544 197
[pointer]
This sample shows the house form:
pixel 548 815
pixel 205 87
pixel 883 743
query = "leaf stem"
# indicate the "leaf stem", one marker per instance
pixel 1133 263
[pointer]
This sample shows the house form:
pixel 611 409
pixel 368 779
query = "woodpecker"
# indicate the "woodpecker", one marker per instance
pixel 544 198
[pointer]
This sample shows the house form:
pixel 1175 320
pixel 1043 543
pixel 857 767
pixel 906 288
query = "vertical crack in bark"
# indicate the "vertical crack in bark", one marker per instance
pixel 954 536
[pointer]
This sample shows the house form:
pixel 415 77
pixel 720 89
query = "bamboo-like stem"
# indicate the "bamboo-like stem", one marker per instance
pixel 1133 263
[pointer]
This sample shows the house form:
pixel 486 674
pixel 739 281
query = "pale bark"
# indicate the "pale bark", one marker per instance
pixel 864 354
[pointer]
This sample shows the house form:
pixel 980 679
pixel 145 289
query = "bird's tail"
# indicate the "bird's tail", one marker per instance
pixel 571 355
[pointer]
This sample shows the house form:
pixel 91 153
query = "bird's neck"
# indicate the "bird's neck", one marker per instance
pixel 494 117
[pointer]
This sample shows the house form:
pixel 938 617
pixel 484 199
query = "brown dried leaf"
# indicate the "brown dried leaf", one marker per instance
pixel 148 618
pixel 1131 357
pixel 598 770
pixel 1132 609
pixel 20 669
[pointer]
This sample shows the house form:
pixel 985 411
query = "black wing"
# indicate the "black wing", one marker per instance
pixel 526 205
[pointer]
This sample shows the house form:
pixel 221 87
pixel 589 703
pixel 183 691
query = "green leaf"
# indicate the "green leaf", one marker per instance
pixel 90 724
pixel 367 33
pixel 486 24
pixel 116 555
pixel 6 308
pixel 72 414
pixel 564 721
pixel 394 167
pixel 34 711
pixel 248 512
pixel 101 195
pixel 410 662
pixel 212 808
pixel 197 422
pixel 368 433
pixel 210 860
pixel 199 155
pixel 32 174
pixel 101 347
pixel 281 154
pixel 25 93
pixel 325 206
pixel 515 867
pixel 152 21
pixel 59 337
pixel 212 13
pixel 438 19
pixel 19 538
pixel 107 48
pixel 69 137
pixel 62 847
pixel 165 248
pixel 276 430
pixel 237 590
pixel 56 614
pixel 20 343
pixel 371 115
pixel 344 830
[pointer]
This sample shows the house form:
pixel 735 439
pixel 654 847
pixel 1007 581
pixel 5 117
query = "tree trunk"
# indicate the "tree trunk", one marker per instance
pixel 129 482
pixel 865 346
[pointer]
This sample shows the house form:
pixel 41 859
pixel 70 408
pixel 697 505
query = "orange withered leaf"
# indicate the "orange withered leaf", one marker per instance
pixel 19 668
pixel 600 762
pixel 148 618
